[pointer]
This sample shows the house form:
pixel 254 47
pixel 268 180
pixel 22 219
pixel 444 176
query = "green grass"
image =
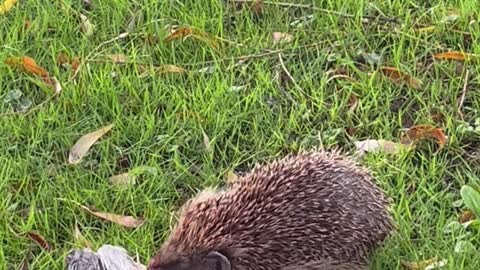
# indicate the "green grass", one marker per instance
pixel 39 191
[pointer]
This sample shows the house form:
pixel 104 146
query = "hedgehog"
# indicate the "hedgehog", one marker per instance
pixel 314 210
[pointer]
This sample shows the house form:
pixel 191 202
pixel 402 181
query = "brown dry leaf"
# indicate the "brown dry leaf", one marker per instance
pixel 400 77
pixel 27 24
pixel 423 265
pixel 122 180
pixel 63 59
pixel 53 83
pixel 169 69
pixel 87 26
pixel 231 176
pixel 118 58
pixel 181 32
pixel 125 221
pixel 353 102
pixel 257 7
pixel 6 6
pixel 375 146
pixel 454 55
pixel 281 37
pixel 420 132
pixel 80 238
pixel 81 147
pixel 39 240
pixel 185 32
pixel 75 63
pixel 466 217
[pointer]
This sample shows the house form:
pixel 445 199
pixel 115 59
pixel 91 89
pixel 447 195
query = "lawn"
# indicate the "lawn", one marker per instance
pixel 234 96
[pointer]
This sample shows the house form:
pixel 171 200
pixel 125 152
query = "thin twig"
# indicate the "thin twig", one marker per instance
pixel 312 7
pixel 253 56
pixel 464 93
pixel 289 75
pixel 87 58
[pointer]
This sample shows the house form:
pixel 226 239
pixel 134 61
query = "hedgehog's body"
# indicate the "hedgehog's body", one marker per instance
pixel 310 211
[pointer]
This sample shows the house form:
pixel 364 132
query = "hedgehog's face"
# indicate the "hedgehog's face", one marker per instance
pixel 212 261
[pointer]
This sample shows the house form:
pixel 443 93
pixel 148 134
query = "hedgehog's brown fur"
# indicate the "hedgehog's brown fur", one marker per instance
pixel 311 211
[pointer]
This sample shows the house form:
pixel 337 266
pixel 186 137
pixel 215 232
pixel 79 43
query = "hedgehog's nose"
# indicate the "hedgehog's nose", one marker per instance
pixel 154 264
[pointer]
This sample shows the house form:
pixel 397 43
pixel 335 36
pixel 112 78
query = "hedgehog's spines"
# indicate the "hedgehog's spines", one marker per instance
pixel 314 210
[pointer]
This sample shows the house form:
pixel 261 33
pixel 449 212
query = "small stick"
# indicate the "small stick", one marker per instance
pixel 312 7
pixel 87 58
pixel 253 56
pixel 464 93
pixel 289 75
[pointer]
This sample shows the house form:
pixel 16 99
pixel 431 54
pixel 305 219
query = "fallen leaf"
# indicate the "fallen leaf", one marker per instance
pixel 181 32
pixel 231 177
pixel 206 142
pixel 257 7
pixel 129 178
pixel 419 265
pixel 466 216
pixel 400 77
pixel 426 29
pixel 53 83
pixel 185 32
pixel 87 26
pixel 454 55
pixel 452 15
pixel 169 69
pixel 63 59
pixel 81 147
pixel 39 240
pixel 123 179
pixel 118 58
pixel 125 221
pixel 281 37
pixel 75 64
pixel 375 146
pixel 80 238
pixel 353 103
pixel 6 6
pixel 27 24
pixel 28 65
pixel 421 132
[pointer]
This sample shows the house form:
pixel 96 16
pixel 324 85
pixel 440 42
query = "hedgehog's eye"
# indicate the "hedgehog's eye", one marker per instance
pixel 218 261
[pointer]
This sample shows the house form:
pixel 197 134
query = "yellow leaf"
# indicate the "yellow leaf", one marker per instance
pixel 398 76
pixel 125 221
pixel 426 264
pixel 426 29
pixel 169 69
pixel 81 147
pixel 231 176
pixel 6 6
pixel 453 55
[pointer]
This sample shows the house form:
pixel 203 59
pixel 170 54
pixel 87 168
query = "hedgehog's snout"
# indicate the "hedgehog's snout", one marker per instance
pixel 154 264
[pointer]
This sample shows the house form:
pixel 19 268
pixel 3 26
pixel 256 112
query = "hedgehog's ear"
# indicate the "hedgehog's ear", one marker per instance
pixel 218 261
